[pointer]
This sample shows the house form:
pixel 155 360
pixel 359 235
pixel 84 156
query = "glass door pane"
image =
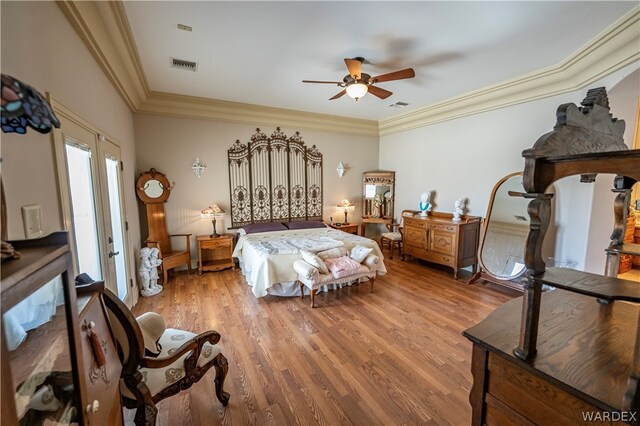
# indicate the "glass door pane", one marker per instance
pixel 117 250
pixel 83 206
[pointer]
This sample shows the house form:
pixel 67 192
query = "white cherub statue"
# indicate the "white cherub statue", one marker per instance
pixel 425 206
pixel 149 272
pixel 457 212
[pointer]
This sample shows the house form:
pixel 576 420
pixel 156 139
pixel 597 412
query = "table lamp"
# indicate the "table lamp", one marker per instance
pixel 346 206
pixel 213 212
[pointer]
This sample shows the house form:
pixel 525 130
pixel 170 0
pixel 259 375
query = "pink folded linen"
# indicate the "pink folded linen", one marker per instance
pixel 341 267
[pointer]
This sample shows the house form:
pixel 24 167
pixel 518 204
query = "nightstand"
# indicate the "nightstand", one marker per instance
pixel 349 228
pixel 214 253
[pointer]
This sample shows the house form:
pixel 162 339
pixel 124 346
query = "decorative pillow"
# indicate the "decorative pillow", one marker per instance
pixel 264 227
pixel 360 253
pixel 332 253
pixel 305 224
pixel 313 260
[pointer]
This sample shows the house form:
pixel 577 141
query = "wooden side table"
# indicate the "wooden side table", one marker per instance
pixel 350 228
pixel 219 256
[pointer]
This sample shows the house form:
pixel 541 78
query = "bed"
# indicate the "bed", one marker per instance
pixel 266 258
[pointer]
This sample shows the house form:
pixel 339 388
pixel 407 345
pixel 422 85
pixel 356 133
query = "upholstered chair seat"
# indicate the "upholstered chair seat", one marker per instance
pixel 310 277
pixel 393 236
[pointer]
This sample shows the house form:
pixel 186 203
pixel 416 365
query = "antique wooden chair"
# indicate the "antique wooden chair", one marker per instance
pixel 153 189
pixel 394 236
pixel 158 362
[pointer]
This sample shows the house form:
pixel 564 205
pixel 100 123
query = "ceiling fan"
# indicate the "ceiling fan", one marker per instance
pixel 357 84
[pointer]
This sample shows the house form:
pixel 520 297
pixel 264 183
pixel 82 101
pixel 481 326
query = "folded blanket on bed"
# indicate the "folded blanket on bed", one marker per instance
pixel 342 266
pixel 275 247
pixel 315 244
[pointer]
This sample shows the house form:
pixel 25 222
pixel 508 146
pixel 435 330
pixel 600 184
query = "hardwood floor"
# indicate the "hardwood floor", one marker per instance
pixel 392 357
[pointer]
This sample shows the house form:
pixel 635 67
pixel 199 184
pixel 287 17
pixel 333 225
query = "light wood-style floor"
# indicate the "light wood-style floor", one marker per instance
pixel 391 357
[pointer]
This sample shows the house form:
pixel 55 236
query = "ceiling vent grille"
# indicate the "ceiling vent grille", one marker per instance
pixel 399 105
pixel 184 65
pixel 184 27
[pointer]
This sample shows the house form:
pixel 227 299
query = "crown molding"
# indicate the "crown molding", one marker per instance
pixel 613 49
pixel 105 30
pixel 168 104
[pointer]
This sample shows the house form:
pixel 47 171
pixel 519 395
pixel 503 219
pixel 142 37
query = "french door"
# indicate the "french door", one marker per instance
pixel 91 188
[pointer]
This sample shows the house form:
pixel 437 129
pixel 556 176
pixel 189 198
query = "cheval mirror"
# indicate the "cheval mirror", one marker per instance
pixel 504 234
pixel 378 196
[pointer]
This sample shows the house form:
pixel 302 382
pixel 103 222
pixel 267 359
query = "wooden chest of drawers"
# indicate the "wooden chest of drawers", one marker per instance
pixel 436 238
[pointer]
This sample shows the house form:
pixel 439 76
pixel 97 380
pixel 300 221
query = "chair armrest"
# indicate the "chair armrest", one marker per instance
pixel 194 346
pixel 371 262
pixel 306 271
pixel 152 326
pixel 180 235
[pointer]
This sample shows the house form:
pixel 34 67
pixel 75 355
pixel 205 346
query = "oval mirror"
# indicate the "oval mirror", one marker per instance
pixel 506 226
pixel 153 188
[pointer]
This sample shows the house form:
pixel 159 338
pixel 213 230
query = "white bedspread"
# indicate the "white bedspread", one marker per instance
pixel 265 272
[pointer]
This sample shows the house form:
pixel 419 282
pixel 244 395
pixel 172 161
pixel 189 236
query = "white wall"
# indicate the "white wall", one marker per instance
pixel 464 158
pixel 171 144
pixel 40 47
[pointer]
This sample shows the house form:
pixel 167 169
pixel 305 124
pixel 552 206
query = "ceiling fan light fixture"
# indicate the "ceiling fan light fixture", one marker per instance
pixel 357 90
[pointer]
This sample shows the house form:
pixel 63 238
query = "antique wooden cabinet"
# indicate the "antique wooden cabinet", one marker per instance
pixel 437 238
pixel 53 370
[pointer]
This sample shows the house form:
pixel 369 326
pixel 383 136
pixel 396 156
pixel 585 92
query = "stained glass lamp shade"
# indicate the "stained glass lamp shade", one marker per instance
pixel 346 206
pixel 213 213
pixel 23 106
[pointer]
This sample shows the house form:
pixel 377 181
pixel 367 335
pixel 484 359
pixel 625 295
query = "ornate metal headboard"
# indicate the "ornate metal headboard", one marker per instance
pixel 274 179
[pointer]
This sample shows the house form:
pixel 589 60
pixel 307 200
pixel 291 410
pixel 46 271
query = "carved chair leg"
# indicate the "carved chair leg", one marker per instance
pixel 146 410
pixel 313 297
pixel 372 280
pixel 301 289
pixel 165 275
pixel 221 366
pixel 390 249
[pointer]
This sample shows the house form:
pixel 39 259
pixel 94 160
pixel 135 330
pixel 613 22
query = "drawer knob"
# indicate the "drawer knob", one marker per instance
pixel 91 325
pixel 93 407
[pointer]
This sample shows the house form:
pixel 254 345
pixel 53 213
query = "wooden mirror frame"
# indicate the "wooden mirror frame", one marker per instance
pixel 145 177
pixel 483 273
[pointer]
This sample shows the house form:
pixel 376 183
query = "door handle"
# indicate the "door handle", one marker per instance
pixel 111 254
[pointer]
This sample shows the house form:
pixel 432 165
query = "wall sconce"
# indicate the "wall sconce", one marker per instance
pixel 198 167
pixel 341 169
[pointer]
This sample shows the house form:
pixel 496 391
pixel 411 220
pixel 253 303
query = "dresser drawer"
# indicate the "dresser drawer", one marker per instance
pixel 418 223
pixel 218 242
pixel 444 228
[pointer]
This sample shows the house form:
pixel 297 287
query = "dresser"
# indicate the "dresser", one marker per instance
pixel 438 239
pixel 53 370
pixel 581 368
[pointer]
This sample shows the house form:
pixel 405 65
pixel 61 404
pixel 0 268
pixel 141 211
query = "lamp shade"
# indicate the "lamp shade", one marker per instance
pixel 346 206
pixel 212 212
pixel 357 90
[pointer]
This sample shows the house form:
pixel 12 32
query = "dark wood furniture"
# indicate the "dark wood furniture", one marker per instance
pixel 153 189
pixel 438 239
pixel 56 360
pixel 395 235
pixel 581 368
pixel 190 370
pixel 214 253
pixel 378 198
pixel 600 343
pixel 350 228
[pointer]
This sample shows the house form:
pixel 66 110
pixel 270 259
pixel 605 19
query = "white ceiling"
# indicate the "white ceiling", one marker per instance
pixel 258 52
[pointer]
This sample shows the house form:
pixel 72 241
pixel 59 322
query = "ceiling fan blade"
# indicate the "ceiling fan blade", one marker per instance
pixel 379 92
pixel 338 95
pixel 323 82
pixel 354 66
pixel 396 75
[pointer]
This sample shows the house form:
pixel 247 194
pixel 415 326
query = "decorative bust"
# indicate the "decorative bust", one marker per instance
pixel 425 206
pixel 457 211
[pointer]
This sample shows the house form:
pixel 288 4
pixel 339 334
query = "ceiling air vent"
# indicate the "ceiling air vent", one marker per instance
pixel 184 65
pixel 399 105
pixel 184 27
